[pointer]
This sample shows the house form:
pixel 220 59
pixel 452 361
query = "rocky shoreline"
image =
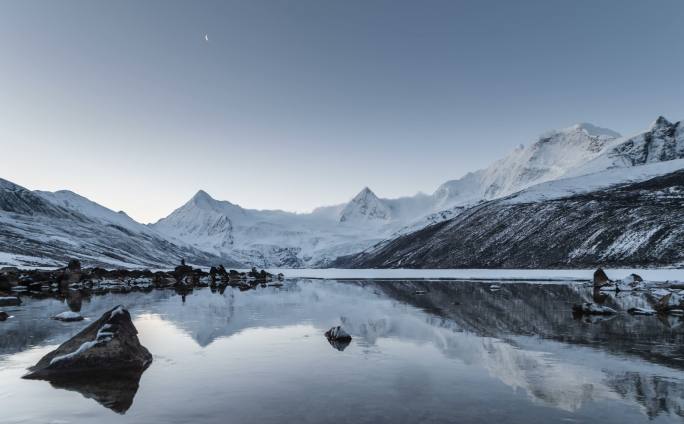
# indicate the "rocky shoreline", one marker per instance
pixel 73 276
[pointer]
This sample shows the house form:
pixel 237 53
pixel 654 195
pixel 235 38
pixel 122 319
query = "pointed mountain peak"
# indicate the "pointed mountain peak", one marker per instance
pixel 202 199
pixel 660 122
pixel 364 194
pixel 202 195
pixel 365 206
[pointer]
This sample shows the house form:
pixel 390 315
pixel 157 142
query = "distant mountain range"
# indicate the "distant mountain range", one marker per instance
pixel 510 214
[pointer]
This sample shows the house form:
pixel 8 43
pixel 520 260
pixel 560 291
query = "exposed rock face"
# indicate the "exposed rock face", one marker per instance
pixel 109 345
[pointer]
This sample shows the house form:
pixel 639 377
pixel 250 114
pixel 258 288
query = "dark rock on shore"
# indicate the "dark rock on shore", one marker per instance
pixel 109 344
pixel 3 315
pixel 600 278
pixel 183 278
pixel 670 304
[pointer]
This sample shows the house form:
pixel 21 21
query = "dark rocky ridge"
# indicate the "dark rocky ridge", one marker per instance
pixel 584 230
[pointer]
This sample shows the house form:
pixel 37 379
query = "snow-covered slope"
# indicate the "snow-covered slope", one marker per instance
pixel 275 238
pixel 74 202
pixel 48 229
pixel 552 156
pixel 564 224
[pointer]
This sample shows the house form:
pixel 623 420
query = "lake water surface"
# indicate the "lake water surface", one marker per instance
pixel 461 352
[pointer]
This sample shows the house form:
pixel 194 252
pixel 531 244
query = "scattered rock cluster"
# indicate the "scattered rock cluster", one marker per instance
pixel 182 278
pixel 667 298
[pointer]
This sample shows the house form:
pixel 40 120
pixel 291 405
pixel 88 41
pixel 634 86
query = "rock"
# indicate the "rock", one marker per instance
pixel 3 315
pixel 74 265
pixel 672 303
pixel 600 278
pixel 420 292
pixel 9 301
pixel 337 333
pixel 68 316
pixel 588 308
pixel 633 278
pixel 640 311
pixel 9 277
pixel 338 338
pixel 109 345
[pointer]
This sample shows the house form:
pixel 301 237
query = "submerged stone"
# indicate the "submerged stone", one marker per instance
pixel 588 308
pixel 68 316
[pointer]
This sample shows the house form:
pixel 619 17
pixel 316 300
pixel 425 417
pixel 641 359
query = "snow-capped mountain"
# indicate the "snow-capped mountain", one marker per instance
pixel 551 157
pixel 271 238
pixel 208 229
pixel 365 206
pixel 47 229
pixel 563 223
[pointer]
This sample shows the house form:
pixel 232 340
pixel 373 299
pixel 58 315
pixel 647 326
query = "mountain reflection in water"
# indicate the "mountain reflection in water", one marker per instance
pixel 459 352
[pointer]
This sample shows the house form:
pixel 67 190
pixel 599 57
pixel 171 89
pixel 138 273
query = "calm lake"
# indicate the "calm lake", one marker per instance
pixel 422 351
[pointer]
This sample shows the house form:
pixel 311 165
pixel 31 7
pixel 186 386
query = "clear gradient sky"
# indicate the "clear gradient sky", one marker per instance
pixel 297 104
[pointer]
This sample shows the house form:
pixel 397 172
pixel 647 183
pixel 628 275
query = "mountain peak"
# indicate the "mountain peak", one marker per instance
pixel 365 193
pixel 202 197
pixel 660 122
pixel 594 130
pixel 365 206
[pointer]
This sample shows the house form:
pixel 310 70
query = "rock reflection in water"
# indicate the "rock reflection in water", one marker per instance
pixel 113 391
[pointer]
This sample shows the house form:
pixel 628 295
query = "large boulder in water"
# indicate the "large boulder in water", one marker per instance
pixel 110 345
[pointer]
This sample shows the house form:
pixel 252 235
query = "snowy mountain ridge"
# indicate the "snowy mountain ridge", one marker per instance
pixel 209 228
